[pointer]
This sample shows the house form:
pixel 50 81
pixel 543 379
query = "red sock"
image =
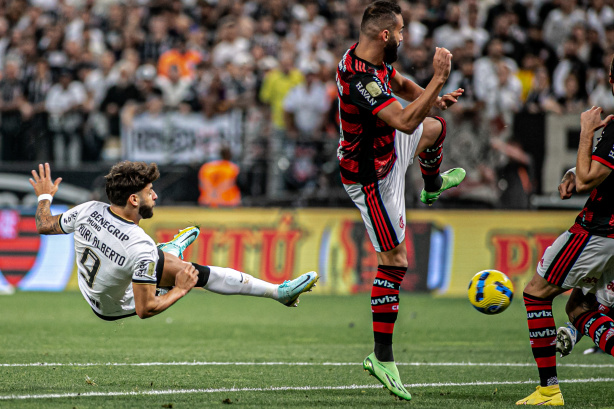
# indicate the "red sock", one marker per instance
pixel 430 159
pixel 385 301
pixel 599 327
pixel 542 333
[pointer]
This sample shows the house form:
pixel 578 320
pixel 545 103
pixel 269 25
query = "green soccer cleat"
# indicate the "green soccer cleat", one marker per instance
pixel 388 374
pixel 450 178
pixel 544 396
pixel 181 241
pixel 289 291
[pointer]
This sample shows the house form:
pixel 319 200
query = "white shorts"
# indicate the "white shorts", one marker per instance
pixel 382 204
pixel 580 261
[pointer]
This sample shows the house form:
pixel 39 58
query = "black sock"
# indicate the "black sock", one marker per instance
pixel 383 352
pixel 203 275
pixel 432 183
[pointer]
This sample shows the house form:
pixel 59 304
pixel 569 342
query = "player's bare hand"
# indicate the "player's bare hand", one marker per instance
pixel 567 186
pixel 187 278
pixel 449 99
pixel 590 120
pixel 442 63
pixel 41 181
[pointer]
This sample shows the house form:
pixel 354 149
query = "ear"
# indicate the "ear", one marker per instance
pixel 610 79
pixel 133 200
pixel 385 35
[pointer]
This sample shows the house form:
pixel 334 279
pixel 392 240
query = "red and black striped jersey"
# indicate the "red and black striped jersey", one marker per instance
pixel 366 147
pixel 597 217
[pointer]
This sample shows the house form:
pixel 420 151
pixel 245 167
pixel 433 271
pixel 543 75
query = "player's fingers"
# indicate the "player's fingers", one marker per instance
pixel 57 182
pixel 41 170
pixel 32 182
pixel 47 171
pixel 35 175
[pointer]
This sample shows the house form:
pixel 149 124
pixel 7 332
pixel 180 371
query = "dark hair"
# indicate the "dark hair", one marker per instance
pixel 127 178
pixel 379 16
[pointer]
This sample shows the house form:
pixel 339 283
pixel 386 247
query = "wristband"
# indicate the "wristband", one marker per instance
pixel 45 196
pixel 572 170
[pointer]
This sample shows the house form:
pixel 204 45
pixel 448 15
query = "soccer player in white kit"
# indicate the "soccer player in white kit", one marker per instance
pixel 120 266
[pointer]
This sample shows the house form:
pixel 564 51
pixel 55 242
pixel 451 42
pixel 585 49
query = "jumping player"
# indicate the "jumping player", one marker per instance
pixel 120 267
pixel 379 140
pixel 581 258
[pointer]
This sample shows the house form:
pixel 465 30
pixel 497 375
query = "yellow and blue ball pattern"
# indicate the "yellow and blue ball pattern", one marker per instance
pixel 490 292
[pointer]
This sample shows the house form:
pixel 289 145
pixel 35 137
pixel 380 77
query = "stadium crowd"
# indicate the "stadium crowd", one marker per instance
pixel 74 73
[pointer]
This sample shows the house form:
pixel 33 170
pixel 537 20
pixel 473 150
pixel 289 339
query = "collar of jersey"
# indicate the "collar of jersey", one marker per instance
pixel 353 52
pixel 119 217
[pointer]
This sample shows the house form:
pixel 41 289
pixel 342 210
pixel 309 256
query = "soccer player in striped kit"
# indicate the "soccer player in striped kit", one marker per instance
pixel 581 258
pixel 379 140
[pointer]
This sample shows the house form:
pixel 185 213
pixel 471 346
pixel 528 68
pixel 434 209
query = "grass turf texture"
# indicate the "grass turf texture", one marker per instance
pixel 204 327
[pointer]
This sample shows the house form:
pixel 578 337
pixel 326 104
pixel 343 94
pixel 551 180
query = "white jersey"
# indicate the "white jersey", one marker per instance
pixel 112 253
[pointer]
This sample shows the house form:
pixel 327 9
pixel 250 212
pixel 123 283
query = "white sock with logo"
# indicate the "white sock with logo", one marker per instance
pixel 230 282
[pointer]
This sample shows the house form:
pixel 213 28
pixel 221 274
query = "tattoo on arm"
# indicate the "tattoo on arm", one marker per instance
pixel 45 222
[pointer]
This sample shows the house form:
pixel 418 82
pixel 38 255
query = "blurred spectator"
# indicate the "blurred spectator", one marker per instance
pixel 175 88
pixel 305 106
pixel 540 98
pixel 184 59
pixel 265 37
pixel 537 46
pixel 468 108
pixel 569 64
pixel 117 96
pixel 146 83
pixel 574 99
pixel 599 15
pixel 156 41
pixel 503 101
pixel 13 109
pixel 507 7
pixel 472 30
pixel 486 69
pixel 413 14
pixel 560 21
pixel 64 104
pixel 277 83
pixel 450 34
pixel 217 181
pixel 36 88
pixel 230 44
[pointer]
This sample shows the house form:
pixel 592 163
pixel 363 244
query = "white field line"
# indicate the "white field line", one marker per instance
pixel 278 388
pixel 213 363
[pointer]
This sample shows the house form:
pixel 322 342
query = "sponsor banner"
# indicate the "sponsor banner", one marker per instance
pixel 29 261
pixel 445 248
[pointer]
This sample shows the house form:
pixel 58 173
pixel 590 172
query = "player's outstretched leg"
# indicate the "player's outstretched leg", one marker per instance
pixel 388 374
pixel 181 241
pixel 430 160
pixel 228 281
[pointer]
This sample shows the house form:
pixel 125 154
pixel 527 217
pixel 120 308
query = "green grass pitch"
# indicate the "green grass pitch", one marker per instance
pixel 293 357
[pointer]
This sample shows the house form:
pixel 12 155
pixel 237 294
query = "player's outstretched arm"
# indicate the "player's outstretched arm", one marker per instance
pixel 44 188
pixel 147 304
pixel 409 118
pixel 590 173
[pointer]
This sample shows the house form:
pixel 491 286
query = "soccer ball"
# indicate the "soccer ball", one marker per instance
pixel 490 292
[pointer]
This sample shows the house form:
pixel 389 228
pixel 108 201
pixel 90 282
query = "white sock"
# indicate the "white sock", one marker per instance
pixel 229 282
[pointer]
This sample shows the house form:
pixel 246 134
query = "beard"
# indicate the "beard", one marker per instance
pixel 391 51
pixel 146 212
